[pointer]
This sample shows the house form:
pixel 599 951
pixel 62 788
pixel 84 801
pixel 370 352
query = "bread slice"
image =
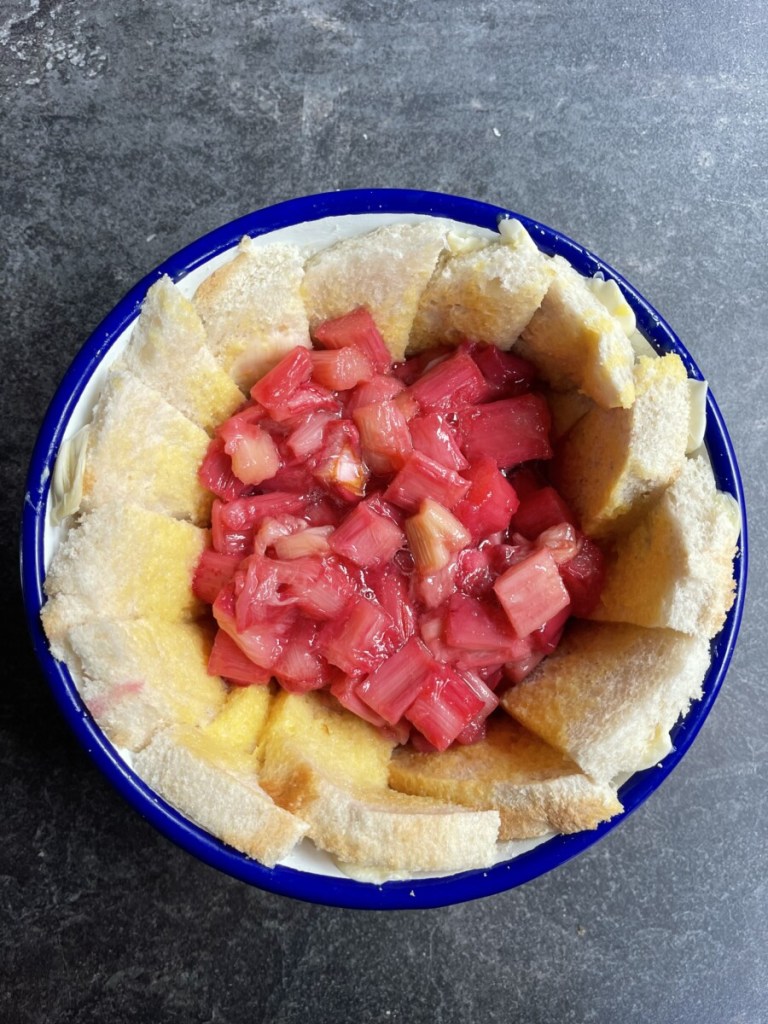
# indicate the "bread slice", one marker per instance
pixel 566 408
pixel 198 777
pixel 385 270
pixel 607 693
pixel 489 294
pixel 330 768
pixel 167 351
pixel 142 450
pixel 535 789
pixel 138 676
pixel 675 568
pixel 252 309
pixel 240 723
pixel 575 342
pixel 614 463
pixel 122 562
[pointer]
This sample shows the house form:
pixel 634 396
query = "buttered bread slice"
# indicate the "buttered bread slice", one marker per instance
pixel 535 789
pixel 574 341
pixel 613 463
pixel 385 270
pixel 252 310
pixel 168 352
pixel 141 449
pixel 122 562
pixel 609 694
pixel 330 768
pixel 675 568
pixel 219 791
pixel 137 677
pixel 487 294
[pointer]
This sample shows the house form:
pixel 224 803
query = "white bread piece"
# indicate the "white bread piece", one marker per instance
pixel 608 692
pixel 535 789
pixel 252 309
pixel 614 463
pixel 219 794
pixel 489 294
pixel 142 450
pixel 385 270
pixel 330 768
pixel 566 408
pixel 122 562
pixel 168 352
pixel 138 676
pixel 574 341
pixel 675 568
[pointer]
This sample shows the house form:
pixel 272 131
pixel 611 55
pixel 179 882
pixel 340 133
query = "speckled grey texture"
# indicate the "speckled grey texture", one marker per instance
pixel 129 129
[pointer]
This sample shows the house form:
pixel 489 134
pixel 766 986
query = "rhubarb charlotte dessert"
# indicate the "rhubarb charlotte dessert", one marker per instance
pixel 406 544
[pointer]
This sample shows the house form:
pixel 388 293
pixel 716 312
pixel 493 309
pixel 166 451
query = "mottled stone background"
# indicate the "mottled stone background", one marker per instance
pixel 128 129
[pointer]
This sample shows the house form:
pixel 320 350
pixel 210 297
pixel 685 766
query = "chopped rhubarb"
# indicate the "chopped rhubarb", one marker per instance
pixel 384 436
pixel 277 386
pixel 398 681
pixel 540 510
pixel 354 642
pixel 446 706
pixel 365 541
pixel 450 384
pixel 366 538
pixel 490 501
pixel 584 576
pixel 227 659
pixel 340 369
pixel 339 463
pixel 422 478
pixel 435 537
pixel 359 329
pixel 511 431
pixel 531 592
pixel 434 437
pixel 213 571
pixel 216 473
pixel 506 374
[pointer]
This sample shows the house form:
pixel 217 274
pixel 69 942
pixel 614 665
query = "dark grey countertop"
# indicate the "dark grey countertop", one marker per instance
pixel 129 129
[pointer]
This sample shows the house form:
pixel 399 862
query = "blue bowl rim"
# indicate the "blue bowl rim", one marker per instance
pixel 321 889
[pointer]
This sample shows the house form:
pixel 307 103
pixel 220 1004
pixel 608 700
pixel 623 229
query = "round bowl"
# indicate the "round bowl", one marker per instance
pixel 311 879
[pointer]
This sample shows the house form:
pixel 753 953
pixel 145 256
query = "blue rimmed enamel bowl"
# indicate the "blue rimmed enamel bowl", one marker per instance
pixel 307 874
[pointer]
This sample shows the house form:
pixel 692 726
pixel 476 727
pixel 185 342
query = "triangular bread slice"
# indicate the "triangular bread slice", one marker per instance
pixel 139 676
pixel 385 270
pixel 218 791
pixel 609 692
pixel 330 768
pixel 535 789
pixel 142 450
pixel 252 309
pixel 614 463
pixel 574 341
pixel 168 352
pixel 122 562
pixel 488 294
pixel 675 568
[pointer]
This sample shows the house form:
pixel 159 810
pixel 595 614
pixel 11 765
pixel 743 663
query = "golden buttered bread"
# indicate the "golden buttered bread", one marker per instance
pixel 261 770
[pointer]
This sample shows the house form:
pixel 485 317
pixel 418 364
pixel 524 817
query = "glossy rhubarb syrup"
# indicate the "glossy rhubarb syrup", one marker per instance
pixel 387 533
